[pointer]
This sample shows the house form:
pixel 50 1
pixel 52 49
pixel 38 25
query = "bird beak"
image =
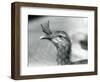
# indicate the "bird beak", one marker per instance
pixel 42 37
pixel 45 37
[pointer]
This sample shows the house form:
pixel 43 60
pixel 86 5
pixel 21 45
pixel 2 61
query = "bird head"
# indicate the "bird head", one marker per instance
pixel 56 37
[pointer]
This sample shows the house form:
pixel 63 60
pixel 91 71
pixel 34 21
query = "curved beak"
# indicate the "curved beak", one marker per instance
pixel 45 37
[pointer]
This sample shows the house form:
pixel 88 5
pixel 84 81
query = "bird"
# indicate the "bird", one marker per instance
pixel 61 40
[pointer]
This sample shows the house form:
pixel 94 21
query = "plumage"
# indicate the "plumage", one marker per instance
pixel 62 42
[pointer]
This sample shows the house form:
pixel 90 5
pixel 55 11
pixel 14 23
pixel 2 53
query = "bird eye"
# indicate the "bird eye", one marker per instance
pixel 60 36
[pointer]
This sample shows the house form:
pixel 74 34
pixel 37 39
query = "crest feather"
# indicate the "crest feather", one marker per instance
pixel 46 29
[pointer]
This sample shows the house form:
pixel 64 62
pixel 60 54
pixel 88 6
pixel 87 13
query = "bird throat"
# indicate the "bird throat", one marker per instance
pixel 63 53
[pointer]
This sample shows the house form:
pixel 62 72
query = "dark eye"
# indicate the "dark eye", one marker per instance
pixel 60 36
pixel 84 44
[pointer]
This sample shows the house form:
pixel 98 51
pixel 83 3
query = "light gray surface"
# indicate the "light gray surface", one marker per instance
pixel 43 52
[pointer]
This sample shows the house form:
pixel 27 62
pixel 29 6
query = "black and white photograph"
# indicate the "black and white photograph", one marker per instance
pixel 50 40
pixel 57 40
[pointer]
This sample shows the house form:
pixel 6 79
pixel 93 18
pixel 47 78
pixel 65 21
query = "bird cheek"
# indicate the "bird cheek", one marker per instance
pixel 57 40
pixel 54 40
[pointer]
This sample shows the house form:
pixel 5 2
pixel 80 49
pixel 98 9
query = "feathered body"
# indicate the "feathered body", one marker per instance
pixel 62 43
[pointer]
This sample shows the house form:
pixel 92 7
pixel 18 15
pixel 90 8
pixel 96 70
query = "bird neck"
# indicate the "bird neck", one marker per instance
pixel 63 54
pixel 63 51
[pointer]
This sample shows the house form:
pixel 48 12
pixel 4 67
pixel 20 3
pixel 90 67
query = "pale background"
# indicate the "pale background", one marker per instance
pixel 5 41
